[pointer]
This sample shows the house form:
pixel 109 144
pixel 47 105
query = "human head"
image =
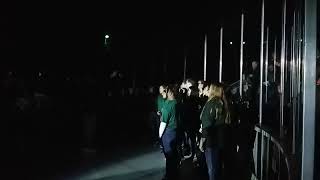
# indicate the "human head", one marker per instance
pixel 254 65
pixel 183 85
pixel 171 92
pixel 200 85
pixel 161 89
pixel 189 83
pixel 216 90
pixel 206 89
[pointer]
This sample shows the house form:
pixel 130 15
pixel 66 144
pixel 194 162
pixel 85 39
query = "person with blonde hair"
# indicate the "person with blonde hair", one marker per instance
pixel 213 120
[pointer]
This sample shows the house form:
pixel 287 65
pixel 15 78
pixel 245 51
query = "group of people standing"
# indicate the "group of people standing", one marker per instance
pixel 194 123
pixel 212 124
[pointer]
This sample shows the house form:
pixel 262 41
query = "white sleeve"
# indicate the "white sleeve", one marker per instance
pixel 162 128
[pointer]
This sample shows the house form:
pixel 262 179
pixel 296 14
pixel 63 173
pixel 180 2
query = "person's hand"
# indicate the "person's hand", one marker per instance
pixel 201 146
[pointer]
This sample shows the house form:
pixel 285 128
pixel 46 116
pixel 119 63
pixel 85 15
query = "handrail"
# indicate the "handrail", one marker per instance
pixel 281 145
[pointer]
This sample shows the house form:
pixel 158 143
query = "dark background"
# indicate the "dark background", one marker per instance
pixel 65 37
pixel 148 42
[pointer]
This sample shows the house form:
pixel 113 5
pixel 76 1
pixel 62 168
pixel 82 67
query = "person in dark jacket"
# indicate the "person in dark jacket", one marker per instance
pixel 212 119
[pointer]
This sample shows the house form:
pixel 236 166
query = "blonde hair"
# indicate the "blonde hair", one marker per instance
pixel 216 90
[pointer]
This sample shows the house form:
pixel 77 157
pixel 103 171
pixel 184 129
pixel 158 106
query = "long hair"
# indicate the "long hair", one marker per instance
pixel 215 90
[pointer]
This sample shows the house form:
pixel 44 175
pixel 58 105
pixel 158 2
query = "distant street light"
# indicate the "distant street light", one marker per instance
pixel 106 37
pixel 230 42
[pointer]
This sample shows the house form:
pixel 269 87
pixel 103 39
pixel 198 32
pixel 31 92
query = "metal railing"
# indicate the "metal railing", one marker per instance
pixel 272 157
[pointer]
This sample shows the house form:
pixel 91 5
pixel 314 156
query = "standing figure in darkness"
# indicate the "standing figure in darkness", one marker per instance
pixel 212 119
pixel 190 121
pixel 157 113
pixel 168 133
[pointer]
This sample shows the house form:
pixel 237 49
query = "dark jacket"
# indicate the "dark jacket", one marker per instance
pixel 212 119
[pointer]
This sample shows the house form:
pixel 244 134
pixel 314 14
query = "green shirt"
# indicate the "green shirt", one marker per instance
pixel 170 114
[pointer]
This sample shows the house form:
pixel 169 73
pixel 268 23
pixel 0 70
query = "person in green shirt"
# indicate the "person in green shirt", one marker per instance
pixel 168 133
pixel 155 115
pixel 161 98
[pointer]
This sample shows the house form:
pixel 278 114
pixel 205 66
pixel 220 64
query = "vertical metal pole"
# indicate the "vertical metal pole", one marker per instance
pixel 286 63
pixel 221 46
pixel 309 89
pixel 261 63
pixel 294 84
pixel 261 76
pixel 256 153
pixel 292 74
pixel 283 57
pixel 279 164
pixel 268 156
pixel 299 52
pixel 274 60
pixel 291 65
pixel 299 36
pixel 241 54
pixel 262 154
pixel 205 59
pixel 266 66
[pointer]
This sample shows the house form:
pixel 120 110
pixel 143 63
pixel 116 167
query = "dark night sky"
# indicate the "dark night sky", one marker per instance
pixel 70 36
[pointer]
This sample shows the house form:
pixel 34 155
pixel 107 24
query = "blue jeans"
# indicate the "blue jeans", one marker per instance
pixel 169 142
pixel 212 159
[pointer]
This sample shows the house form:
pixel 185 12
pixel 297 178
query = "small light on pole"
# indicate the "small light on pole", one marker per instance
pixel 244 42
pixel 230 42
pixel 105 39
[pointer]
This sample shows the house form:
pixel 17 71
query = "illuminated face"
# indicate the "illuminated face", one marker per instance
pixel 206 91
pixel 245 87
pixel 254 65
pixel 161 89
pixel 183 85
pixel 200 85
pixel 188 84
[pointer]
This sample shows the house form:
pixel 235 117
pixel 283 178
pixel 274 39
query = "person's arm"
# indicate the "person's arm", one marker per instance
pixel 162 127
pixel 210 116
pixel 201 146
pixel 164 121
